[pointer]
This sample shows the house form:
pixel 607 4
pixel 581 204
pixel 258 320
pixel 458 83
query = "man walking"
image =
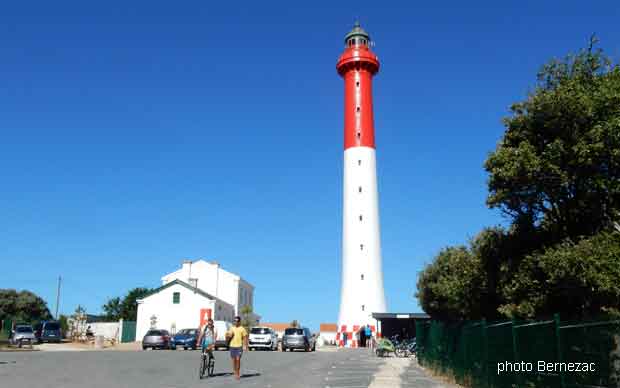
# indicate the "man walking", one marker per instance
pixel 238 341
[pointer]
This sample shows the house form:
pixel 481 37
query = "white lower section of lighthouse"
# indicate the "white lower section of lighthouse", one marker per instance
pixel 362 290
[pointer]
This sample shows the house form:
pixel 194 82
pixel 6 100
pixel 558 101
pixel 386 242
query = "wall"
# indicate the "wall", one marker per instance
pixel 171 317
pixel 106 329
pixel 328 337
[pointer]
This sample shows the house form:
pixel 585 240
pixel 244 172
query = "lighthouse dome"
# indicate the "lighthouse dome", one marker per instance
pixel 357 36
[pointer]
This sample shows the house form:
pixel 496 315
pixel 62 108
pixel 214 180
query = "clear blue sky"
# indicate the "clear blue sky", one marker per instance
pixel 136 134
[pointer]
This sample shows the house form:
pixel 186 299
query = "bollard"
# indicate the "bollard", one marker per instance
pixel 99 342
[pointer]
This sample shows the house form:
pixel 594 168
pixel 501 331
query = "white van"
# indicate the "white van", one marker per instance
pixel 221 328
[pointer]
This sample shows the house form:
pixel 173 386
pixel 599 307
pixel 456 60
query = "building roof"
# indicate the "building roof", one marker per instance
pixel 202 262
pixel 181 283
pixel 401 316
pixel 277 326
pixel 328 327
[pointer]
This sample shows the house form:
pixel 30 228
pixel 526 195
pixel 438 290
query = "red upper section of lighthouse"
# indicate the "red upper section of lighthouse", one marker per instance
pixel 357 65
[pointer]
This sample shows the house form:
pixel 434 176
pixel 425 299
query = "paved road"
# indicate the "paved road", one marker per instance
pixel 179 369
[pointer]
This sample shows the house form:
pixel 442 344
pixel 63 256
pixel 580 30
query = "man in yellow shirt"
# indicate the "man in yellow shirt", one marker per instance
pixel 238 340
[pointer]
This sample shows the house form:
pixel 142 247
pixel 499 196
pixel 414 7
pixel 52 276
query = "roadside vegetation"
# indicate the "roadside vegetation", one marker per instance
pixel 555 175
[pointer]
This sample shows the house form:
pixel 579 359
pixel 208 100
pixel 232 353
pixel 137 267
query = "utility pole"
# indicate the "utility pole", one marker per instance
pixel 58 297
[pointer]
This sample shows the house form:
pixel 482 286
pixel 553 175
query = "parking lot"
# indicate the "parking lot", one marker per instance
pixel 179 369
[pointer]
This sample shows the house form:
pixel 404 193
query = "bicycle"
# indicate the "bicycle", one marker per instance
pixel 207 365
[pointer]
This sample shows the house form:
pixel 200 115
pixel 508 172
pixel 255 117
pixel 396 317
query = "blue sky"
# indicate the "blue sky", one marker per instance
pixel 137 134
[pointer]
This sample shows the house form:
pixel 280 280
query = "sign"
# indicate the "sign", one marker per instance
pixel 402 316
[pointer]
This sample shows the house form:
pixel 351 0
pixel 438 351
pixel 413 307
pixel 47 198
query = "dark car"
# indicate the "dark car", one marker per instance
pixel 48 331
pixel 298 338
pixel 157 339
pixel 185 338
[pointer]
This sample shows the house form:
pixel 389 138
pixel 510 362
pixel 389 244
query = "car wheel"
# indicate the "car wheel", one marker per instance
pixel 283 349
pixel 144 348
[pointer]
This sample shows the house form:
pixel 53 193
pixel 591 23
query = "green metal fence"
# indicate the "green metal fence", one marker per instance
pixel 523 354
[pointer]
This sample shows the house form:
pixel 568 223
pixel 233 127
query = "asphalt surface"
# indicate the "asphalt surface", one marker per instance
pixel 179 369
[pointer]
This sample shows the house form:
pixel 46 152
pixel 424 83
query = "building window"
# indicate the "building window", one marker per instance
pixel 176 297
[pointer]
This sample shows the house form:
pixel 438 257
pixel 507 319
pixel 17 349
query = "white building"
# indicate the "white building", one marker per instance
pixel 189 296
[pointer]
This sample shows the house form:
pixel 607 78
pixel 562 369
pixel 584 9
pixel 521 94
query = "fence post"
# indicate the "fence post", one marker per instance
pixel 485 343
pixel 515 352
pixel 558 344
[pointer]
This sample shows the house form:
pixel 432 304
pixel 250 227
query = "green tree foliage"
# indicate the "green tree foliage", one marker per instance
pixel 558 163
pixel 112 309
pixel 126 307
pixel 450 288
pixel 23 306
pixel 577 279
pixel 556 175
pixel 246 317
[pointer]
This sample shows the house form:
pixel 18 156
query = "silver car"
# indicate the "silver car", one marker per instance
pixel 298 338
pixel 22 335
pixel 157 339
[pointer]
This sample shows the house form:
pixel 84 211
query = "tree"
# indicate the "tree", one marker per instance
pixel 129 306
pixel 23 306
pixel 113 309
pixel 451 287
pixel 558 163
pixel 294 323
pixel 125 307
pixel 246 317
pixel 576 279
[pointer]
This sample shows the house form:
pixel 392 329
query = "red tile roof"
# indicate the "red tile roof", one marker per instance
pixel 276 326
pixel 328 327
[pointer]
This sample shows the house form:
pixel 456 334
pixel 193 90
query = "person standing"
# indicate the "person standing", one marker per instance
pixel 238 341
pixel 368 334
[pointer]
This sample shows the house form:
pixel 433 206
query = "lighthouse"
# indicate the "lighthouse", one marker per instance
pixel 362 277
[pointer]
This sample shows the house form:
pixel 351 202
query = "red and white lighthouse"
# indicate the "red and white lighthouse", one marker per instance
pixel 362 277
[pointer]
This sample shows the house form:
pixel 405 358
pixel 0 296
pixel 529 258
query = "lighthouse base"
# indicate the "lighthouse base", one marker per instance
pixel 350 336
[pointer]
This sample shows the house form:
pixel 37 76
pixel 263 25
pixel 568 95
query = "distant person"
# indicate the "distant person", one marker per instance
pixel 207 337
pixel 368 332
pixel 344 339
pixel 238 341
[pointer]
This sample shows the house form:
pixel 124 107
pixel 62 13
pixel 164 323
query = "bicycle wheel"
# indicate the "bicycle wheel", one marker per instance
pixel 203 366
pixel 399 352
pixel 211 367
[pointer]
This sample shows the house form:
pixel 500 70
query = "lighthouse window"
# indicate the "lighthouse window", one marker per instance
pixel 362 276
pixel 359 135
pixel 360 217
pixel 358 108
pixel 361 247
pixel 359 189
pixel 363 307
pixel 357 84
pixel 359 162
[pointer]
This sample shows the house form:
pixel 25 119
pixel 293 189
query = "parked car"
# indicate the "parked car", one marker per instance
pixel 263 338
pixel 156 339
pixel 22 335
pixel 48 331
pixel 298 338
pixel 221 328
pixel 185 338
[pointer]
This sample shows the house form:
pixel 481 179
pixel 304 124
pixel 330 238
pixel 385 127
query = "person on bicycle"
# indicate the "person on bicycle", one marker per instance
pixel 207 337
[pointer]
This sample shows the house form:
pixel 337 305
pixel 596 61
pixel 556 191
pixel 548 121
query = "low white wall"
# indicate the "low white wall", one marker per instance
pixel 106 329
pixel 327 337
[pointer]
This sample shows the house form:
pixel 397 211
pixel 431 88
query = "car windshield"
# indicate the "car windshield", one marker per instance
pixel 23 329
pixel 52 326
pixel 154 332
pixel 292 331
pixel 259 330
pixel 187 332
